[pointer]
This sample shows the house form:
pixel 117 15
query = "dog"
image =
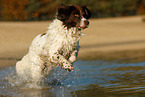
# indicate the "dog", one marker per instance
pixel 59 46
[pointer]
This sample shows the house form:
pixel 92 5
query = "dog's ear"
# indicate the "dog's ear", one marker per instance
pixel 62 12
pixel 86 12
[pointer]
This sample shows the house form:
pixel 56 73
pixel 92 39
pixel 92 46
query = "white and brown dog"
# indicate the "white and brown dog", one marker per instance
pixel 58 46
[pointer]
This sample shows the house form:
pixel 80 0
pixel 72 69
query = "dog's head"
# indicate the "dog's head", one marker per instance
pixel 74 16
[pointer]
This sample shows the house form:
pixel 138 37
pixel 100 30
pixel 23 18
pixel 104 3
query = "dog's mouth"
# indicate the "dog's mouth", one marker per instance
pixel 83 27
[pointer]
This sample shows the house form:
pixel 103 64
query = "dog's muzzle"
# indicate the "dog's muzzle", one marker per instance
pixel 84 24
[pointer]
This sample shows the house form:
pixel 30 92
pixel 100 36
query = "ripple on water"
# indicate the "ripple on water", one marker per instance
pixel 88 78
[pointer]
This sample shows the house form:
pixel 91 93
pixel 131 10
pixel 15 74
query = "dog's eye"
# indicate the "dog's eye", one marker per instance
pixel 76 16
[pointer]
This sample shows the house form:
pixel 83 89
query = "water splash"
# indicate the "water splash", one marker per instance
pixel 56 78
pixel 55 85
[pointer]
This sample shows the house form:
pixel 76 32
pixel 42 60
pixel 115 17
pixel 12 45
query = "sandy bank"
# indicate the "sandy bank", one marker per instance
pixel 105 39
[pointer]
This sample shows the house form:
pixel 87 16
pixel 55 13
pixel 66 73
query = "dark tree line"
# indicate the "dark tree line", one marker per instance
pixel 45 9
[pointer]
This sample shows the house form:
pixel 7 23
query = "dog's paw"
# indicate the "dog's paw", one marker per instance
pixel 70 69
pixel 67 67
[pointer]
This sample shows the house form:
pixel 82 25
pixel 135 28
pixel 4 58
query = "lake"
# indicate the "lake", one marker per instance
pixel 89 79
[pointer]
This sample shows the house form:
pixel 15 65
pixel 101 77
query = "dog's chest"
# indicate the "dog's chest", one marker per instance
pixel 69 44
pixel 60 39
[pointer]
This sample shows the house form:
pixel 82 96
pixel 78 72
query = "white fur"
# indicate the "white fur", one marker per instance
pixel 82 24
pixel 59 46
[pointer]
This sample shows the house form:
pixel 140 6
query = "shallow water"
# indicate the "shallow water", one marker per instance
pixel 89 79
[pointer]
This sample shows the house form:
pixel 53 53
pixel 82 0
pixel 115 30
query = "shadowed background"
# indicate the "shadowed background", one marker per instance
pixel 15 10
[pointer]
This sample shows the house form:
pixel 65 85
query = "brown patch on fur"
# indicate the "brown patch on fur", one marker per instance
pixel 72 15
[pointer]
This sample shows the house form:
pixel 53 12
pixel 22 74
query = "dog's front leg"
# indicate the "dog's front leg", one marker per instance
pixel 73 56
pixel 59 59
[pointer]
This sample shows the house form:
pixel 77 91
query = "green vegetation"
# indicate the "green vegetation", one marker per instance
pixel 45 9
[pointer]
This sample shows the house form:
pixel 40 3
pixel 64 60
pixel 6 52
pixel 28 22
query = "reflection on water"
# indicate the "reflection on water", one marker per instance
pixel 89 79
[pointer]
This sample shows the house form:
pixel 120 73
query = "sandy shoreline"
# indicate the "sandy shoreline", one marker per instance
pixel 106 39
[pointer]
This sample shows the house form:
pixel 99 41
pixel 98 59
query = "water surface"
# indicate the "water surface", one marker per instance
pixel 89 79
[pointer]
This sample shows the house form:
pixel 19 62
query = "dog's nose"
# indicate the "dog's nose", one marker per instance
pixel 86 22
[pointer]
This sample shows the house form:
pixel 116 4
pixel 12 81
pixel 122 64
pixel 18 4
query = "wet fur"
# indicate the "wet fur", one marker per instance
pixel 58 46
